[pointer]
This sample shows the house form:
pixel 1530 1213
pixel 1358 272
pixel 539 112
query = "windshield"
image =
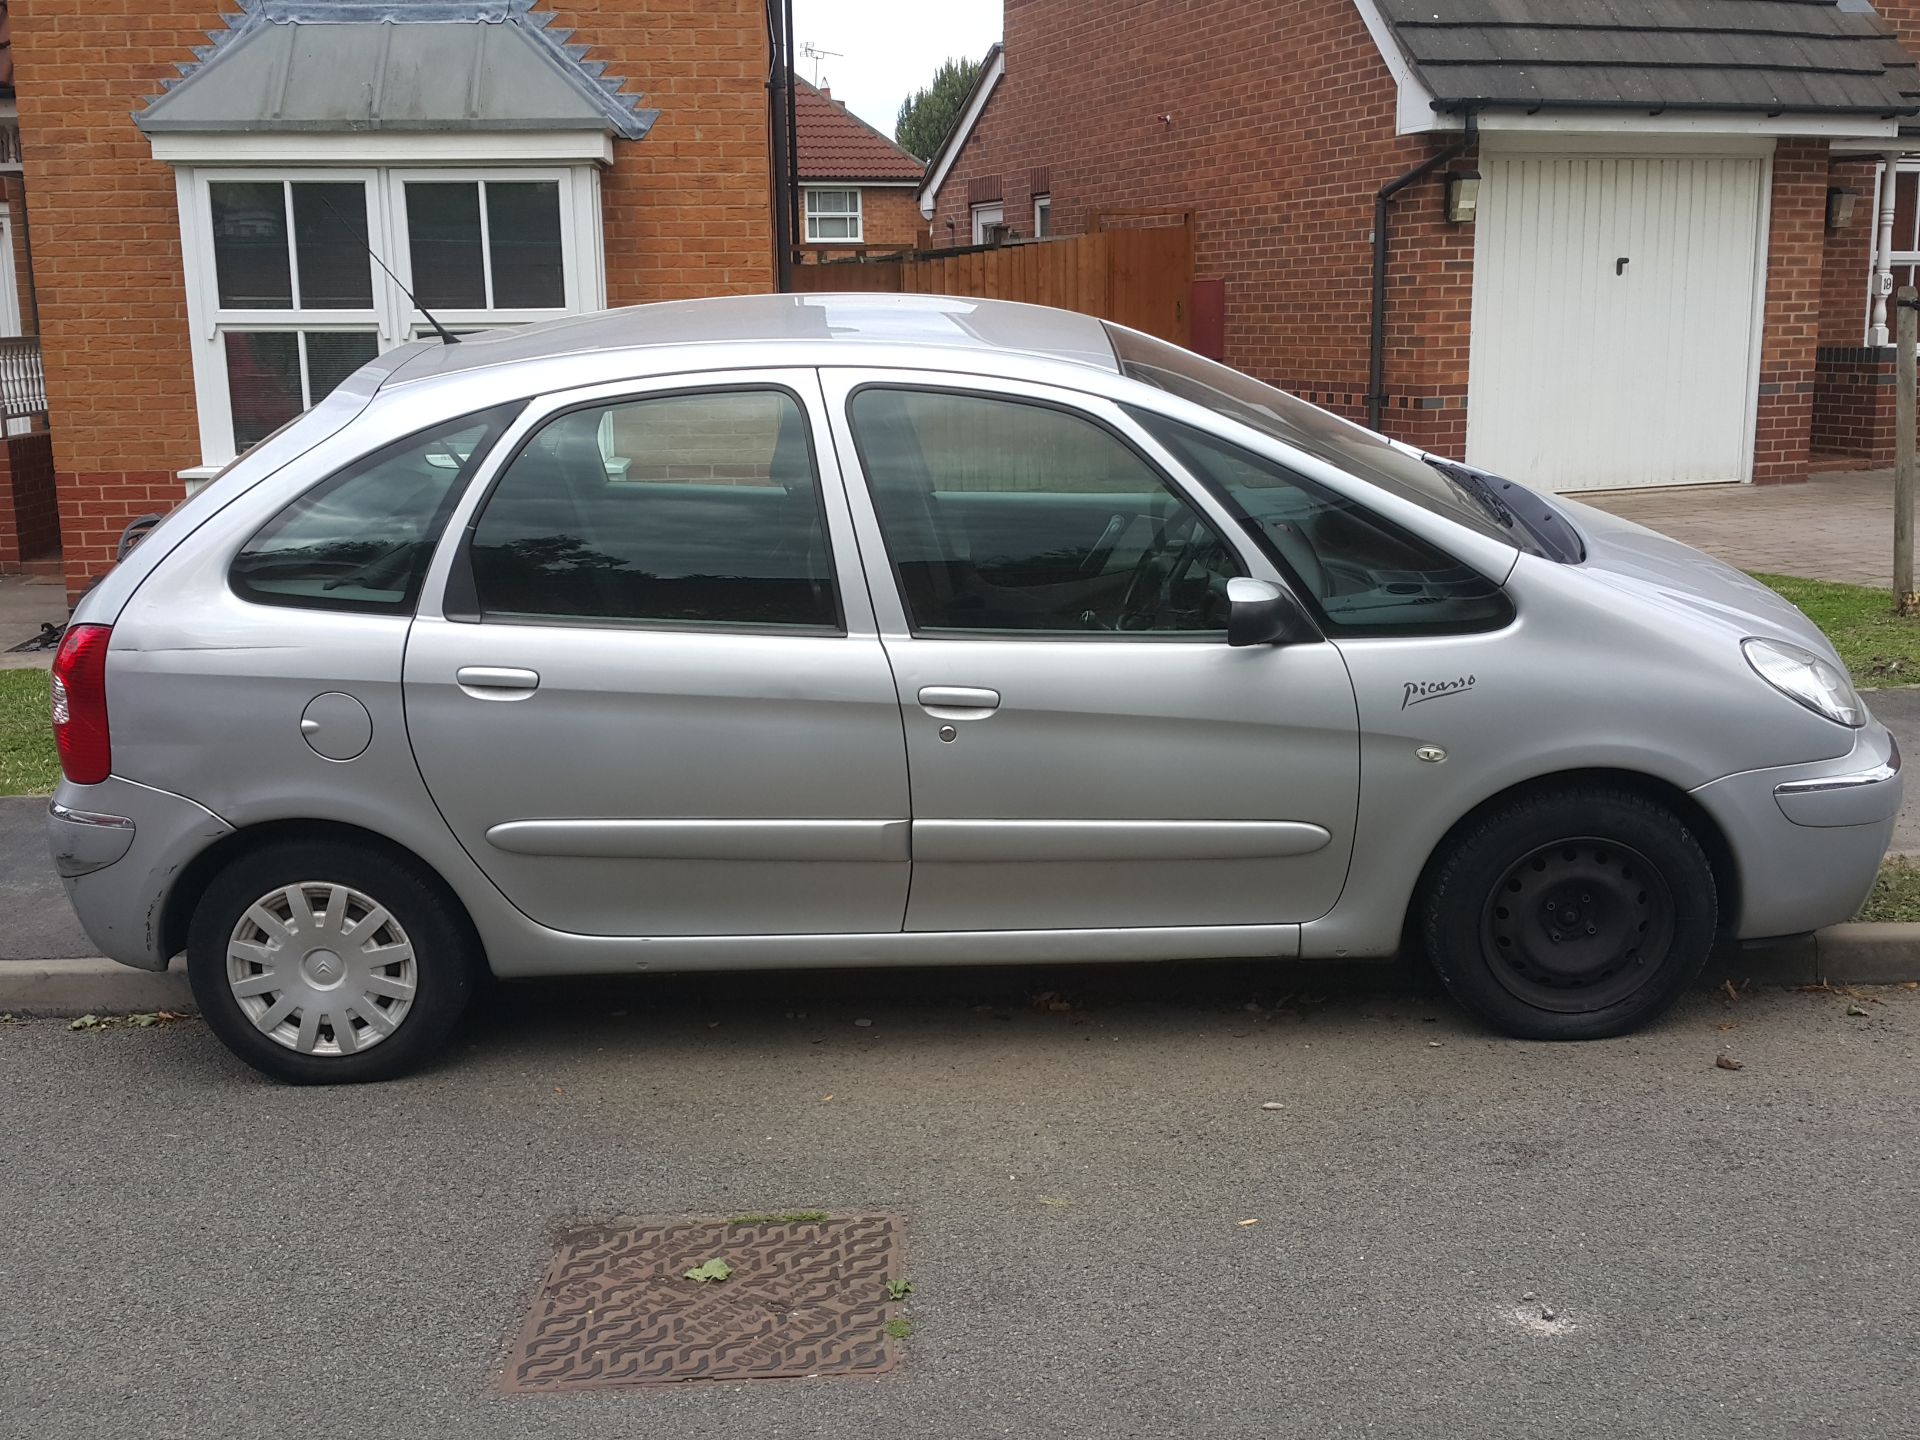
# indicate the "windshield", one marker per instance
pixel 1494 508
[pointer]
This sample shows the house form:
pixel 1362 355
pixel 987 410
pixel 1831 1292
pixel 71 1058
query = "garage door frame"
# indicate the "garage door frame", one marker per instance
pixel 1499 145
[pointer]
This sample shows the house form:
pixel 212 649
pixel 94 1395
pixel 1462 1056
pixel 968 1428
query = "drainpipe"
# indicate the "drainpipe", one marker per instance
pixel 1377 339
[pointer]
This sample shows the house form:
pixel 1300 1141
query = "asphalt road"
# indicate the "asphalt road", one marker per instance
pixel 190 1251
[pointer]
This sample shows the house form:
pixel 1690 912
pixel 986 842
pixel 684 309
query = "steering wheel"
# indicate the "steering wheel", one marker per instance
pixel 1137 603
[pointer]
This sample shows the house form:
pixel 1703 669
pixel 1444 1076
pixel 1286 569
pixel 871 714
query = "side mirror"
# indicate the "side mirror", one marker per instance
pixel 1261 613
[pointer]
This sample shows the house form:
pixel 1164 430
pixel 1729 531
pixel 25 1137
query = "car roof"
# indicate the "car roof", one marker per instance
pixel 831 326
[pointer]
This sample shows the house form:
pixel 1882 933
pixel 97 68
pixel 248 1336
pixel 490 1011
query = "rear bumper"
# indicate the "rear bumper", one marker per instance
pixel 119 847
pixel 1807 840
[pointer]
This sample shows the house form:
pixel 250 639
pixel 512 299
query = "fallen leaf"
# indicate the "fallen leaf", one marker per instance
pixel 1245 1223
pixel 1727 1062
pixel 714 1270
pixel 1057 1201
pixel 86 1022
pixel 1728 1025
pixel 1272 1105
pixel 1856 1009
pixel 558 1091
pixel 825 1098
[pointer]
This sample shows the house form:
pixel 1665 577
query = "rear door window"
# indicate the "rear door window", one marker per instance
pixel 698 510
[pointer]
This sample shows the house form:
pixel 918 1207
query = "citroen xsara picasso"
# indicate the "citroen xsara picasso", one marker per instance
pixel 852 630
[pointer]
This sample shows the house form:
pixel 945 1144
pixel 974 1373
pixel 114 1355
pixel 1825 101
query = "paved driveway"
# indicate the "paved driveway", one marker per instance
pixel 1835 527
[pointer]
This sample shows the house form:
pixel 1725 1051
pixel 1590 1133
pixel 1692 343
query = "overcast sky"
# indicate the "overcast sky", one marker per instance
pixel 888 49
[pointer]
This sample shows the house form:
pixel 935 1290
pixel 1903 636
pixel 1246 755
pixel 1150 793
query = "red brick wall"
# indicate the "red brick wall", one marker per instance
pixel 1796 276
pixel 685 213
pixel 29 518
pixel 1274 124
pixel 1848 258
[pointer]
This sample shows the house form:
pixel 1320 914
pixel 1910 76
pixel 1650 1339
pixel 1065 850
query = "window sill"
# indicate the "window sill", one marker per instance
pixel 194 479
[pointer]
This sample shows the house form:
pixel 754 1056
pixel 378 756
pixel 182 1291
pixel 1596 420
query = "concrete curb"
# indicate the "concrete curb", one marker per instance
pixel 1884 954
pixel 1852 954
pixel 89 987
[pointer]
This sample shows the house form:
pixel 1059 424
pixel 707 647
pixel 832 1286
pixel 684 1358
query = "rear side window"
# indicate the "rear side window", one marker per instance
pixel 697 510
pixel 362 538
pixel 1361 574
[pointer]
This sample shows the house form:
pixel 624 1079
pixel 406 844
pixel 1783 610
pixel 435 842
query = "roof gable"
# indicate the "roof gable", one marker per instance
pixel 836 144
pixel 1770 57
pixel 439 65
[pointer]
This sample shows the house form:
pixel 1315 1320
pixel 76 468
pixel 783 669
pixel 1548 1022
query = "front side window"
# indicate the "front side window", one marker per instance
pixel 1042 217
pixel 1361 574
pixel 1003 515
pixel 833 215
pixel 361 539
pixel 693 511
pixel 289 301
pixel 987 219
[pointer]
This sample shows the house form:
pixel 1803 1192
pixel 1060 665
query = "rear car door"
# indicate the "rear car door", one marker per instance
pixel 648 695
pixel 1086 750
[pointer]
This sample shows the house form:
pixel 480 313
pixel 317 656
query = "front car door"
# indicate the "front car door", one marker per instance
pixel 649 698
pixel 1086 750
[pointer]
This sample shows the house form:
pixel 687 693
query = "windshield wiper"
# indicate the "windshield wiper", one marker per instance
pixel 1476 487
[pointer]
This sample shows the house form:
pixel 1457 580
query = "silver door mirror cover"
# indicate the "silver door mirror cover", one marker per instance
pixel 1262 613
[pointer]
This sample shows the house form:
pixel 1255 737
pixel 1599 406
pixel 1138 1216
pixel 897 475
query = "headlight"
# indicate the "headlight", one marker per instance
pixel 1801 675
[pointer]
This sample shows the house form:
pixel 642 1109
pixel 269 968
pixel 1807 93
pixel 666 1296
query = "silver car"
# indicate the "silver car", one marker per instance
pixel 857 630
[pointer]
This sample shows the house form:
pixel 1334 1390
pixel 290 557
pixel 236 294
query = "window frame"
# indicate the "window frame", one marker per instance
pixel 857 214
pixel 979 213
pixel 460 594
pixel 500 420
pixel 1197 498
pixel 1043 217
pixel 391 318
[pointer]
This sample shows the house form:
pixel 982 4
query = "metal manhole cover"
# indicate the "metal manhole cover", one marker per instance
pixel 806 1298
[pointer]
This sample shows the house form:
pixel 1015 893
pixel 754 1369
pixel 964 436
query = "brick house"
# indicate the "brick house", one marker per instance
pixel 859 190
pixel 1624 245
pixel 29 514
pixel 205 188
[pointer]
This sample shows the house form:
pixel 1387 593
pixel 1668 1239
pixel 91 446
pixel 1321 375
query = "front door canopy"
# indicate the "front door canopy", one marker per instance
pixel 442 65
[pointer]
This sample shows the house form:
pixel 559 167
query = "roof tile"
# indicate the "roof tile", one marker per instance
pixel 835 144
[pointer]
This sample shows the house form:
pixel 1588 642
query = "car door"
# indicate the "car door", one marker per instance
pixel 1085 748
pixel 647 692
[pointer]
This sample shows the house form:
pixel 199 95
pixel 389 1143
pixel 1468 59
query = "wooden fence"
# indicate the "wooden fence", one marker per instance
pixel 1140 277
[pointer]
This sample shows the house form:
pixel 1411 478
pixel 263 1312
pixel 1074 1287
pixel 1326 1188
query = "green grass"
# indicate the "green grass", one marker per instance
pixel 1896 894
pixel 28 764
pixel 1880 648
pixel 789 1217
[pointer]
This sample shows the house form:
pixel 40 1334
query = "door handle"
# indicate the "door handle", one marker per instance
pixel 958 702
pixel 497 682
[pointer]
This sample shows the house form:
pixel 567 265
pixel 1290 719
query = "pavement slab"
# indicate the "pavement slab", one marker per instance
pixel 1451 1233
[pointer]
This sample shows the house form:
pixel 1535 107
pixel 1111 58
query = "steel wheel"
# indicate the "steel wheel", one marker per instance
pixel 1578 925
pixel 321 968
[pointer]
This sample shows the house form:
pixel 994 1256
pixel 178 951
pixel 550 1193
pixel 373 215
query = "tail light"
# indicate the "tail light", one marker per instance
pixel 80 704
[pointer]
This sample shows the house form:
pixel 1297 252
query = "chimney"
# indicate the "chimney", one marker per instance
pixel 826 92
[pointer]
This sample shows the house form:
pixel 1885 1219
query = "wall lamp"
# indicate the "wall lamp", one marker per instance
pixel 1840 203
pixel 1463 196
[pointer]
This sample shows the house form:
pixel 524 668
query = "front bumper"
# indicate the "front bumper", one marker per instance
pixel 1807 840
pixel 119 846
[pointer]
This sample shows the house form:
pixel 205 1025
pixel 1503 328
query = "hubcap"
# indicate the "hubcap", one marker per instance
pixel 1578 925
pixel 321 968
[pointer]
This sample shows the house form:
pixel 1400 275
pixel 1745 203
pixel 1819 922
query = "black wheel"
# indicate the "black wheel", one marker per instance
pixel 1570 915
pixel 323 962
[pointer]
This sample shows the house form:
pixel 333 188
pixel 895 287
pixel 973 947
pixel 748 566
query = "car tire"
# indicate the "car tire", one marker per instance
pixel 1571 914
pixel 325 962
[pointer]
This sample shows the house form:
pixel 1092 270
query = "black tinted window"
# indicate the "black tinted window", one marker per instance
pixel 1362 574
pixel 1003 515
pixel 361 539
pixel 686 509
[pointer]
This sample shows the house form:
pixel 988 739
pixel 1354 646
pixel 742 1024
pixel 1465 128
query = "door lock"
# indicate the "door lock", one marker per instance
pixel 949 734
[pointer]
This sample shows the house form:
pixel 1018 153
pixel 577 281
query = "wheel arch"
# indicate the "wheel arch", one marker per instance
pixel 183 898
pixel 1713 840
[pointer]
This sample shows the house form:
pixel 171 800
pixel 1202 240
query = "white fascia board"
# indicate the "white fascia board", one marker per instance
pixel 943 164
pixel 1413 111
pixel 1871 133
pixel 385 147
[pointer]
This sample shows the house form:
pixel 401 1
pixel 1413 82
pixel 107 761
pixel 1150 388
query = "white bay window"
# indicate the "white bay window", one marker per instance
pixel 285 300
